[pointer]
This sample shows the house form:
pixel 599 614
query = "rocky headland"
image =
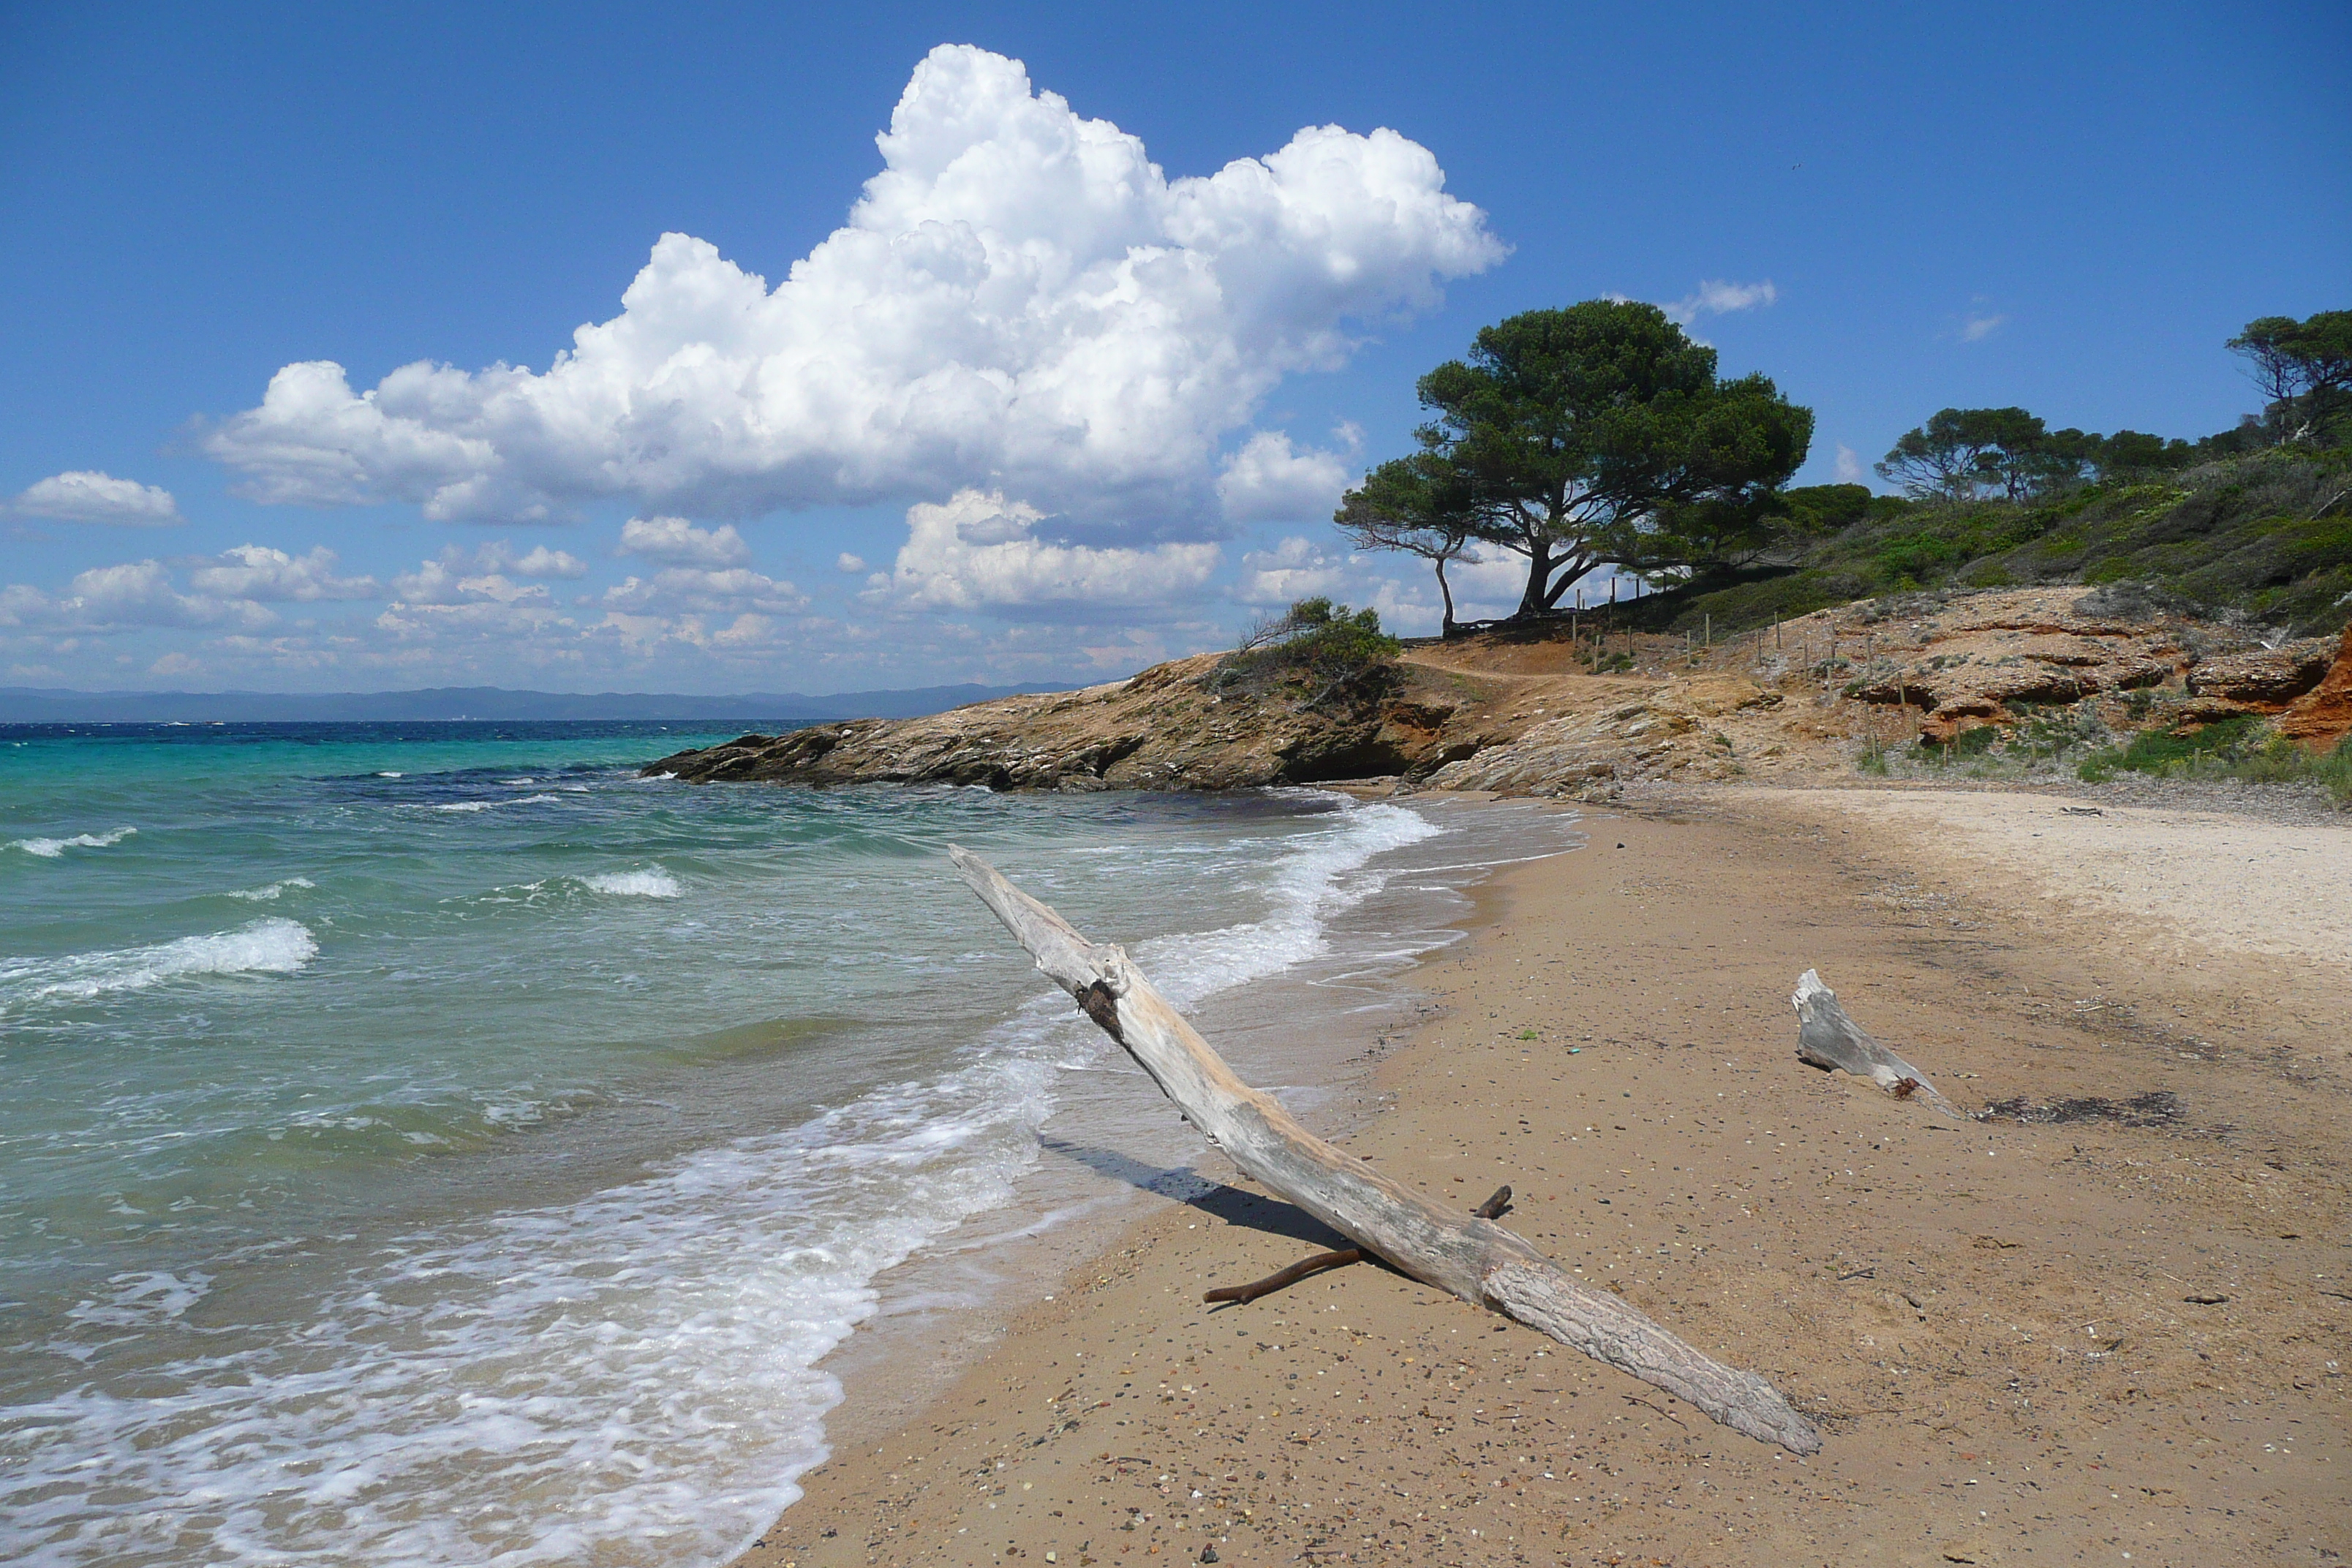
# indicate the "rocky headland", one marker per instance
pixel 1545 713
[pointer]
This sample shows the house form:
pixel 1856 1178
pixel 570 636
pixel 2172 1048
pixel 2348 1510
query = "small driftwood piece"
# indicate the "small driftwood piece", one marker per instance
pixel 1288 1277
pixel 1828 1039
pixel 1474 1258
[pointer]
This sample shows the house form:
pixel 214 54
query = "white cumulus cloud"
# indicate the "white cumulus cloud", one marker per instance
pixel 1976 329
pixel 1019 300
pixel 84 495
pixel 538 561
pixel 697 590
pixel 1269 480
pixel 134 593
pixel 1293 569
pixel 680 542
pixel 1849 466
pixel 258 571
pixel 981 551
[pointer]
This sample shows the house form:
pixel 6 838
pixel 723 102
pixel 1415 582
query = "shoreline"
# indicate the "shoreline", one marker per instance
pixel 1989 1318
pixel 948 1306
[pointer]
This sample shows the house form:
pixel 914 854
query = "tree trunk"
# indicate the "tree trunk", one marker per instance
pixel 1445 627
pixel 1531 602
pixel 1474 1258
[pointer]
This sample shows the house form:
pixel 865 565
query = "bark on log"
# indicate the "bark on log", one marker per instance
pixel 1828 1039
pixel 1474 1258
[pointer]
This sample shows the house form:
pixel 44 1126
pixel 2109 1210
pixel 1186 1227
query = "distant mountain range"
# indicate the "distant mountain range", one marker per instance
pixel 26 705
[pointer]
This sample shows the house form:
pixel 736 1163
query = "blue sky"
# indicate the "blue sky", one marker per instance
pixel 2064 207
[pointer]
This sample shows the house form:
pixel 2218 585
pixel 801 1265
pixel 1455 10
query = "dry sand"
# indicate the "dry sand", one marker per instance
pixel 2115 1338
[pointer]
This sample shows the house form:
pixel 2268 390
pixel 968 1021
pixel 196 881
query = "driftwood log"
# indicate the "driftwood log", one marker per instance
pixel 1474 1258
pixel 1828 1039
pixel 1492 1208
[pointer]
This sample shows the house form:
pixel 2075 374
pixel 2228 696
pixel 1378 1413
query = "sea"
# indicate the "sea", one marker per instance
pixel 436 1143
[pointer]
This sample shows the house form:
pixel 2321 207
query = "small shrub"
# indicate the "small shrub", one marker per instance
pixel 1314 642
pixel 1974 742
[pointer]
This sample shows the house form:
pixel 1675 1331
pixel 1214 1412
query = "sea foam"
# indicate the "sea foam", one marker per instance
pixel 493 804
pixel 272 893
pixel 270 946
pixel 633 1376
pixel 53 849
pixel 651 882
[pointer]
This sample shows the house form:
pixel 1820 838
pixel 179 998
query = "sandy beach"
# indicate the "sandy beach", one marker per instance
pixel 2104 1326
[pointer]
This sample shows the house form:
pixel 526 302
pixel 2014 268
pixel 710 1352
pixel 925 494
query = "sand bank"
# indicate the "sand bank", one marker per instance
pixel 2053 1341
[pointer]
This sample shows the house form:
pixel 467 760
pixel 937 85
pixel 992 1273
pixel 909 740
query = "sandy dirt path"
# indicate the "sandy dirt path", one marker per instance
pixel 2113 1337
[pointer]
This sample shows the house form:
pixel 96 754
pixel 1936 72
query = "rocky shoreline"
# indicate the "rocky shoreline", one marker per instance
pixel 1522 715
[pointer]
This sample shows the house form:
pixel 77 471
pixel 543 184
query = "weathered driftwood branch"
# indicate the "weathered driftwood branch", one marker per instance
pixel 1474 1258
pixel 1243 1294
pixel 1828 1039
pixel 1290 1276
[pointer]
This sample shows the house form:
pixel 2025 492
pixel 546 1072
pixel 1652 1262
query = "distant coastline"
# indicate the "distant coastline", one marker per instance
pixel 27 705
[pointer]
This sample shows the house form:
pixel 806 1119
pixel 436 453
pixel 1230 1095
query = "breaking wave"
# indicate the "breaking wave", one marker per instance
pixel 271 946
pixel 52 848
pixel 652 882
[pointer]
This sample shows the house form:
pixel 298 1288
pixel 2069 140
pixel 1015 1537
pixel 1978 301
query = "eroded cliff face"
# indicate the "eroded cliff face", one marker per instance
pixel 1525 716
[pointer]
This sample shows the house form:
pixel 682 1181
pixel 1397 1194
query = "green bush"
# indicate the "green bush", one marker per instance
pixel 1314 642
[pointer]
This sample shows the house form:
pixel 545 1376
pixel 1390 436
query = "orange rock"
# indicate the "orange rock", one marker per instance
pixel 2323 716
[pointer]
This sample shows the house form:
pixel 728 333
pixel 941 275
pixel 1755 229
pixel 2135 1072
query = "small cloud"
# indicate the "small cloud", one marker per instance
pixel 1292 569
pixel 1716 297
pixel 852 565
pixel 258 572
pixel 84 495
pixel 457 578
pixel 1849 466
pixel 732 589
pixel 541 562
pixel 1269 481
pixel 175 664
pixel 677 542
pixel 1976 329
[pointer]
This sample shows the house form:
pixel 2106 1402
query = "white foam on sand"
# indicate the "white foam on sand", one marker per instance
pixel 650 883
pixel 270 946
pixel 54 848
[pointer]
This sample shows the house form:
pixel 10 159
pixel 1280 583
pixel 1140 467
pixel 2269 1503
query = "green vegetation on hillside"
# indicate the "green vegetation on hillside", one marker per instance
pixel 1601 437
pixel 2239 748
pixel 2266 536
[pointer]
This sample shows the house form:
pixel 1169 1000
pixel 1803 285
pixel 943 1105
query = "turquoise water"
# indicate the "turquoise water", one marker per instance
pixel 435 1144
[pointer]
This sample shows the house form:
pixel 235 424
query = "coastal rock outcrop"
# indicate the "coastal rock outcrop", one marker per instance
pixel 1170 727
pixel 2267 680
pixel 1523 713
pixel 1966 664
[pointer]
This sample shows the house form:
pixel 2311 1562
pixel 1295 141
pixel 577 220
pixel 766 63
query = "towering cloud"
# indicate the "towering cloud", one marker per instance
pixel 1021 302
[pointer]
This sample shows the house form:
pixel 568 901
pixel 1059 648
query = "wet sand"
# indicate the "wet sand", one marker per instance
pixel 2115 1336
